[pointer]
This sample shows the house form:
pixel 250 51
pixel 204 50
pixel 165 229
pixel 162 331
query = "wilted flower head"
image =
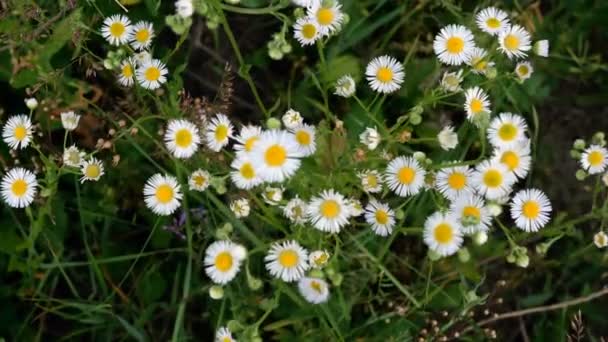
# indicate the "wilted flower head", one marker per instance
pixel 370 138
pixel 345 86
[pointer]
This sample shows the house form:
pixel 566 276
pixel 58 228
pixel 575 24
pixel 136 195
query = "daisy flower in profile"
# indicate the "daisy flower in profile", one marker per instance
pixel 247 138
pixel 117 29
pixel 182 138
pixel 328 18
pixel 454 182
pixel 244 175
pixel 162 194
pixel 404 176
pixel 126 76
pixel 381 217
pixel 199 180
pixel 223 334
pixel 318 259
pixel 371 181
pixel 442 234
pixel 18 187
pixel 514 41
pixel 305 139
pixel 524 70
pixel 143 32
pixel 507 129
pixel 345 86
pixel 218 132
pixel 292 119
pixel 471 212
pixel 492 179
pixel 240 207
pixel 31 103
pixel 370 138
pixel 492 20
pixel 451 81
pixel 594 159
pixel 18 131
pixel 69 120
pixel 476 102
pixel 329 211
pixel 314 290
pixel 448 139
pixel 276 156
pixel 152 74
pixel 296 211
pixel 516 158
pixel 385 74
pixel 530 209
pixel 306 31
pixel 476 58
pixel 541 48
pixel 453 44
pixel 72 156
pixel 91 170
pixel 223 260
pixel 287 260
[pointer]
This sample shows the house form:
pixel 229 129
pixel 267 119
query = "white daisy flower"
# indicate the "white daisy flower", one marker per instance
pixel 314 290
pixel 448 139
pixel 471 212
pixel 273 195
pixel 18 187
pixel 223 261
pixel 296 211
pixel 318 259
pixel 453 44
pixel 541 48
pixel 450 81
pixel 404 176
pixel 304 137
pixel 370 138
pixel 476 102
pixel 247 138
pixel 126 77
pixel 328 18
pixel 292 119
pixel 524 70
pixel 442 234
pixel 218 132
pixel 91 170
pixel 18 131
pixel 477 60
pixel 240 207
pixel 516 158
pixel 530 209
pixel 31 103
pixel 184 8
pixel 385 74
pixel 492 20
pixel 162 194
pixel 223 334
pixel 454 182
pixel 514 41
pixel 69 120
pixel 381 217
pixel 287 260
pixel 117 29
pixel 276 155
pixel 594 159
pixel 507 129
pixel 182 138
pixel 143 32
pixel 371 181
pixel 152 74
pixel 306 31
pixel 345 86
pixel 244 176
pixel 329 211
pixel 492 179
pixel 72 156
pixel 199 180
pixel 600 239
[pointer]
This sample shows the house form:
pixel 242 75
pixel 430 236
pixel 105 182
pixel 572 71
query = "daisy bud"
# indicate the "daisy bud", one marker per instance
pixel 273 123
pixel 471 296
pixel 240 252
pixel 494 209
pixel 433 256
pixel 415 119
pixel 522 261
pixel 292 119
pixel 419 156
pixel 448 139
pixel 541 48
pixel 543 248
pixel 345 86
pixel 581 175
pixel 184 8
pixel 400 214
pixel 316 273
pixel 599 139
pixel 253 282
pixel 463 255
pixel 69 120
pixel 31 103
pixel 216 292
pixel 337 279
pixel 511 258
pixel 579 144
pixel 491 73
pixel 575 154
pixel 600 239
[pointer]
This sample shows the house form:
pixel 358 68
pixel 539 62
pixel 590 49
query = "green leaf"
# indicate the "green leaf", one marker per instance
pixel 153 6
pixel 62 33
pixel 24 78
pixel 340 66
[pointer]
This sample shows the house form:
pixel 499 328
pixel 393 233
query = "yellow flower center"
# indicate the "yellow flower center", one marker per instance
pixel 183 138
pixel 152 74
pixel 223 261
pixel 20 132
pixel 476 106
pixel 510 159
pixel 164 193
pixel 309 31
pixel 469 211
pixel 492 178
pixel 227 339
pixel 530 209
pixel 142 35
pixel 523 70
pixel 19 187
pixel 443 233
pixel 247 171
pixel 595 158
pixel 127 71
pixel 315 285
pixel 372 180
pixel 511 42
pixel 303 137
pixel 275 156
pixel 288 258
pixel 382 216
pixel 384 75
pixel 406 175
pixel 457 181
pixel 493 23
pixel 454 45
pixel 92 171
pixel 117 29
pixel 479 64
pixel 199 180
pixel 221 133
pixel 325 16
pixel 321 259
pixel 507 132
pixel 250 142
pixel 330 209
